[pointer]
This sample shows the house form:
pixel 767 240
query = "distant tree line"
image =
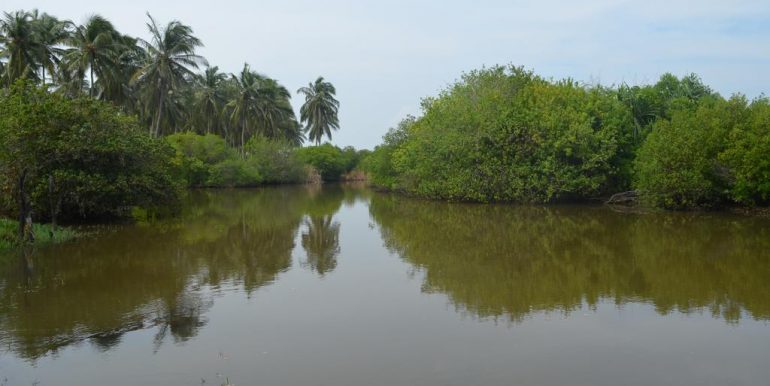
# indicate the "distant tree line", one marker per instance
pixel 506 134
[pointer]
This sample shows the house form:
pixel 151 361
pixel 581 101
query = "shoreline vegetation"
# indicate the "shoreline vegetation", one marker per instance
pixel 43 234
pixel 504 134
pixel 96 125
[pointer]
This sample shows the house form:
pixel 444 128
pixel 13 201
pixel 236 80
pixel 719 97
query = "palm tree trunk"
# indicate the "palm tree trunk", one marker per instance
pixel 91 84
pixel 156 129
pixel 243 140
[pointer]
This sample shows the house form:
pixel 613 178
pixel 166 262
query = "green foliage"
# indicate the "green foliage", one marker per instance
pixel 155 78
pixel 649 103
pixel 504 134
pixel 320 109
pixel 276 161
pixel 748 155
pixel 678 166
pixel 81 157
pixel 234 172
pixel 196 154
pixel 379 164
pixel 207 161
pixel 331 161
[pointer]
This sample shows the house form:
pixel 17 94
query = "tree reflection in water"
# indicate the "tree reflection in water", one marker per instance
pixel 321 241
pixel 506 261
pixel 155 275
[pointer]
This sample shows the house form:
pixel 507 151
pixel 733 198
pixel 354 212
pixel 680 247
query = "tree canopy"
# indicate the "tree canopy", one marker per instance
pixel 162 79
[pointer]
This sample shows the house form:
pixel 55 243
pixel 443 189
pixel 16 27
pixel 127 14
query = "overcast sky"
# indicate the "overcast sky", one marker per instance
pixel 384 56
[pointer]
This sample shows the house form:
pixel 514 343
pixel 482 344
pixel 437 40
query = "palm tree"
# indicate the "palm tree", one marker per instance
pixel 93 49
pixel 114 84
pixel 167 67
pixel 319 111
pixel 50 34
pixel 21 47
pixel 260 106
pixel 292 130
pixel 273 108
pixel 210 98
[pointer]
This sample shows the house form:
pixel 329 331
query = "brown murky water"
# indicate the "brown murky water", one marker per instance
pixel 342 286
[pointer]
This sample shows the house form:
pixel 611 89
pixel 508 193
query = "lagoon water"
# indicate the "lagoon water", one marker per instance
pixel 342 286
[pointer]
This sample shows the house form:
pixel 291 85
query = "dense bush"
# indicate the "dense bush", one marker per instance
pixel 331 161
pixel 207 161
pixel 233 172
pixel 504 134
pixel 677 166
pixel 78 157
pixel 197 154
pixel 748 155
pixel 379 164
pixel 706 155
pixel 276 161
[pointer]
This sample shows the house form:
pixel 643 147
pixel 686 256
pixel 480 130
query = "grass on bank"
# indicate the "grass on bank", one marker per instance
pixel 43 235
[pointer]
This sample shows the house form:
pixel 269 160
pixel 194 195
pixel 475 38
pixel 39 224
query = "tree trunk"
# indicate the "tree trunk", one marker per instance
pixel 25 212
pixel 156 129
pixel 55 204
pixel 91 84
pixel 243 139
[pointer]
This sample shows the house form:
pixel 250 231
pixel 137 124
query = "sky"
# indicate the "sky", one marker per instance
pixel 385 56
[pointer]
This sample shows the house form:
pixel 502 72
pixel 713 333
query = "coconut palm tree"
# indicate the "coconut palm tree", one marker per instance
pixel 260 106
pixel 93 49
pixel 50 33
pixel 114 84
pixel 273 108
pixel 20 45
pixel 319 112
pixel 209 99
pixel 167 67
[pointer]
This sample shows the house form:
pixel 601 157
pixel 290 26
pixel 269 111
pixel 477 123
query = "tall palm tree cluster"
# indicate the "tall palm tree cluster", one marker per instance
pixel 161 80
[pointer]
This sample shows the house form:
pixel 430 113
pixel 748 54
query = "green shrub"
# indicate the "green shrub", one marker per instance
pixel 234 173
pixel 81 158
pixel 748 155
pixel 378 165
pixel 196 154
pixel 504 134
pixel 327 159
pixel 276 161
pixel 678 166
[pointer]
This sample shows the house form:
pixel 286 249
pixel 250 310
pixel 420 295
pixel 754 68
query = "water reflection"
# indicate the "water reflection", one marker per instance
pixel 501 262
pixel 508 261
pixel 321 241
pixel 162 275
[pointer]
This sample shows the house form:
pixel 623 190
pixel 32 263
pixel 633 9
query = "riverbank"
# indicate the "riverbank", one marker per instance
pixel 43 233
